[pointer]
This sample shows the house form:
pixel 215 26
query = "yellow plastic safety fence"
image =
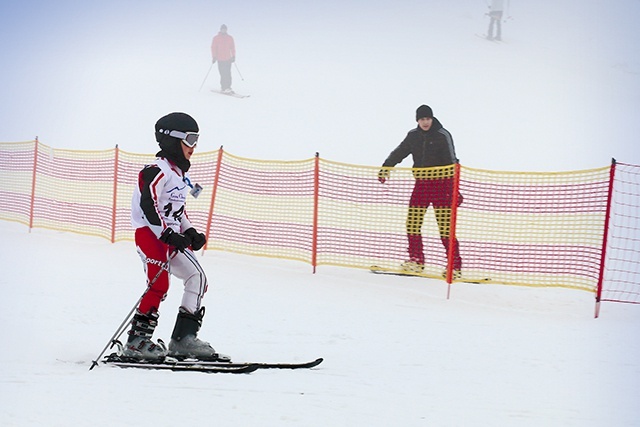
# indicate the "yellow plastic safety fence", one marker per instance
pixel 622 273
pixel 263 208
pixel 536 229
pixel 17 173
pixel 465 224
pixel 367 223
pixel 202 172
pixel 58 189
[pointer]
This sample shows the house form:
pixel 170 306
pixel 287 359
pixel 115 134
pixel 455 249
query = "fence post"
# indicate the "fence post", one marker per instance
pixel 605 235
pixel 213 196
pixel 316 197
pixel 114 206
pixel 452 226
pixel 33 184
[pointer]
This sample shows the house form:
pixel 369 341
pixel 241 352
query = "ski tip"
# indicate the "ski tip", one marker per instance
pixel 246 369
pixel 306 365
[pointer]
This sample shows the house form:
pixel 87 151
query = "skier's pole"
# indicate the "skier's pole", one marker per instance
pixel 238 70
pixel 205 77
pixel 127 320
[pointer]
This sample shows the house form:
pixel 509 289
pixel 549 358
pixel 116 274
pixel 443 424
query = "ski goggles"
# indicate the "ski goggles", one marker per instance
pixel 190 139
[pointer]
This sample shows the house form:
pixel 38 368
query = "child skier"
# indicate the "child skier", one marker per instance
pixel 165 240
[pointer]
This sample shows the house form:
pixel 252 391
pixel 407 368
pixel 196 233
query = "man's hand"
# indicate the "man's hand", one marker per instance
pixel 383 175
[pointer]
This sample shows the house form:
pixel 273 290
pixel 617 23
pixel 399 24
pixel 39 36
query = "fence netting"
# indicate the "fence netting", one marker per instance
pixel 622 266
pixel 535 229
pixel 514 228
pixel 263 208
pixel 541 229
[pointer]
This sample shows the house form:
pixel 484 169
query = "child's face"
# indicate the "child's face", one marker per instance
pixel 187 151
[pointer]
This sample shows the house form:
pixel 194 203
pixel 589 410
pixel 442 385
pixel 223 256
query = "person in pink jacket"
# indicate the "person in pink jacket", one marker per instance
pixel 223 50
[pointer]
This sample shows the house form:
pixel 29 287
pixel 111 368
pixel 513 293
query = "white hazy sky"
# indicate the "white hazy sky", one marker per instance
pixel 342 79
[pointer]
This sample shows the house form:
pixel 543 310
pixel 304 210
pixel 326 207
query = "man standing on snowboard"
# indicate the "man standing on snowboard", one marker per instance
pixel 430 145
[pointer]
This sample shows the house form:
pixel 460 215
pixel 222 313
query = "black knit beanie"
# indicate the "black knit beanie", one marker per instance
pixel 424 111
pixel 170 147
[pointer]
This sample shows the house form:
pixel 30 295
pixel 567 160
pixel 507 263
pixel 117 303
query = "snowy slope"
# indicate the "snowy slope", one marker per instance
pixel 397 352
pixel 343 79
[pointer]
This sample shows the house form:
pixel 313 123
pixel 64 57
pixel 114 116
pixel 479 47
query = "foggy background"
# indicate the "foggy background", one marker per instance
pixel 339 78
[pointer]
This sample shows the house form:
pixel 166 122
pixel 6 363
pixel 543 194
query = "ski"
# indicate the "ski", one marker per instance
pixel 233 94
pixel 222 364
pixel 184 367
pixel 260 365
pixel 484 37
pixel 379 270
pixel 195 364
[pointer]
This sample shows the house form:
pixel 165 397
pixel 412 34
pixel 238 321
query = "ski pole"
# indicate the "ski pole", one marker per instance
pixel 127 319
pixel 205 77
pixel 238 70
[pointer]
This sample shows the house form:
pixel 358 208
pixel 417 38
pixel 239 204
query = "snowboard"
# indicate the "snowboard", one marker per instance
pixel 378 270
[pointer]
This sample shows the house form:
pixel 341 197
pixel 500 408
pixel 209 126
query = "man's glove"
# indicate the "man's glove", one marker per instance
pixel 198 240
pixel 383 175
pixel 213 61
pixel 177 240
pixel 233 59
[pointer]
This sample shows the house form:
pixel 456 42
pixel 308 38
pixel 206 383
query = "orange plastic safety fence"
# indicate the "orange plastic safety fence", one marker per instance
pixel 17 166
pixel 537 229
pixel 70 191
pixel 622 271
pixel 264 208
pixel 129 165
pixel 534 229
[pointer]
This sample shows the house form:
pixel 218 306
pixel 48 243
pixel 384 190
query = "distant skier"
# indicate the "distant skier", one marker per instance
pixel 223 50
pixel 431 145
pixel 496 10
pixel 163 233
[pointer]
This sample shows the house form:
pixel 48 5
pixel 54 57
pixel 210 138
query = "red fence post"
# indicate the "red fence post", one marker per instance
pixel 605 235
pixel 213 196
pixel 115 195
pixel 452 226
pixel 316 197
pixel 33 184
